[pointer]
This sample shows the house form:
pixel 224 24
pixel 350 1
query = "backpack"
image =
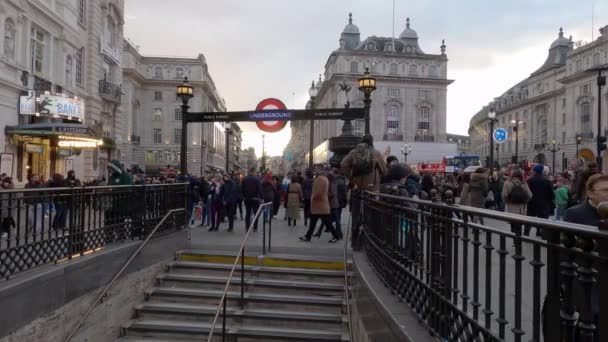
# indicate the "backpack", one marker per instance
pixel 363 163
pixel 518 194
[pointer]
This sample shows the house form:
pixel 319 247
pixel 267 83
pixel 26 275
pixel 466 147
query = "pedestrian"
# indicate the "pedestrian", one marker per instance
pixel 7 207
pixel 497 182
pixel 320 209
pixel 230 195
pixel 516 194
pixel 307 191
pixel 541 203
pixel 562 195
pixel 239 202
pixel 342 191
pixel 204 195
pixel 34 204
pixel 578 185
pixel 71 179
pixel 596 192
pixel 59 202
pixel 427 184
pixel 268 194
pixel 252 194
pixel 334 205
pixel 475 191
pixel 215 192
pixel 295 196
pixel 119 212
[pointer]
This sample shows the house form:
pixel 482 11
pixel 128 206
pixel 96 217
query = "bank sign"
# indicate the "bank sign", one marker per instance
pixel 51 105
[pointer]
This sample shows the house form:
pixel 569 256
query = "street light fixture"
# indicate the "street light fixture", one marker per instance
pixel 184 92
pixel 406 149
pixel 492 118
pixel 553 147
pixel 313 92
pixel 367 84
pixel 516 124
pixel 601 140
pixel 579 138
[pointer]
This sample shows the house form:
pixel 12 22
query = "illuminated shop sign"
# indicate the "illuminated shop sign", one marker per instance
pixel 58 106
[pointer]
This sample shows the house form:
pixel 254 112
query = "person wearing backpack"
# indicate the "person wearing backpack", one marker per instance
pixel 516 194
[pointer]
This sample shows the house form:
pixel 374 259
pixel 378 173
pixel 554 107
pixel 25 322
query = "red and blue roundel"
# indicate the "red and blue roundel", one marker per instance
pixel 271 126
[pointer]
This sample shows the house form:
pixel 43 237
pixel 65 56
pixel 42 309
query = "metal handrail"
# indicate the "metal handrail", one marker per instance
pixel 222 303
pixel 350 325
pixel 124 267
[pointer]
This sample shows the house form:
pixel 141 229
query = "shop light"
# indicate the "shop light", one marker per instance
pixel 47 93
pixel 37 99
pixel 77 144
pixel 37 114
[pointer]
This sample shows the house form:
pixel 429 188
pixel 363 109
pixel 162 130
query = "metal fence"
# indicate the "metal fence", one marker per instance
pixel 45 225
pixel 474 275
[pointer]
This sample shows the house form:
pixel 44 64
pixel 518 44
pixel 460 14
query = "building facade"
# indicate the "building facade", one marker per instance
pixel 60 71
pixel 409 103
pixel 154 114
pixel 552 113
pixel 234 147
pixel 248 159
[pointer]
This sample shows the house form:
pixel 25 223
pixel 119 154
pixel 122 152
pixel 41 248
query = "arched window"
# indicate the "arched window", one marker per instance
pixel 393 68
pixel 413 70
pixel 354 67
pixel 110 31
pixel 69 70
pixel 586 117
pixel 82 10
pixel 9 38
pixel 158 73
pixel 596 58
pixel 433 71
pixel 542 130
pixel 392 123
pixel 179 73
pixel 579 65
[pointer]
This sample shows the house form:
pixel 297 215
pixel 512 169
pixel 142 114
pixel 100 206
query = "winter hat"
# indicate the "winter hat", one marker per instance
pixel 539 169
pixel 115 164
pixel 397 172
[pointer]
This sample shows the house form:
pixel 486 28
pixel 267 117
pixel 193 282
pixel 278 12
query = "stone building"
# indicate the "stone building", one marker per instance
pixel 248 159
pixel 234 146
pixel 60 96
pixel 556 103
pixel 154 115
pixel 409 103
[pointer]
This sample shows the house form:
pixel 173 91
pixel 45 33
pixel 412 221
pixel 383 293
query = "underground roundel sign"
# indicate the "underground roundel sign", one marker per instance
pixel 270 104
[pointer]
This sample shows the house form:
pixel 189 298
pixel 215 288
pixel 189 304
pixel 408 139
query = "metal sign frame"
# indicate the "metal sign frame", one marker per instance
pixel 277 115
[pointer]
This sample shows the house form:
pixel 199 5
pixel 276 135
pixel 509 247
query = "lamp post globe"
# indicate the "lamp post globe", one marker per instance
pixel 367 84
pixel 406 149
pixel 184 92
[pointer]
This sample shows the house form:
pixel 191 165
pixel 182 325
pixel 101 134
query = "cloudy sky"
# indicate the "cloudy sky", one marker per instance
pixel 274 48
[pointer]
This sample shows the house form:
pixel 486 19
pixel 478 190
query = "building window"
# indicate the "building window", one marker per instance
pixel 69 70
pixel 424 115
pixel 584 89
pixel 563 118
pixel 393 68
pixel 9 38
pixel 158 114
pixel 579 65
pixel 158 96
pixel 563 103
pixel 424 94
pixel 110 32
pixel 596 58
pixel 586 117
pixel 413 70
pixel 158 136
pixel 82 9
pixel 37 51
pixel 79 65
pixel 392 92
pixel 179 73
pixel 177 135
pixel 563 137
pixel 424 125
pixel 392 121
pixel 433 71
pixel 178 114
pixel 158 73
pixel 354 67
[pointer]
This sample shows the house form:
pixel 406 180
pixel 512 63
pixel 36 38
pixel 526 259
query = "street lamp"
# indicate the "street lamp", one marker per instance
pixel 367 84
pixel 553 147
pixel 516 124
pixel 601 140
pixel 406 149
pixel 185 92
pixel 579 138
pixel 492 117
pixel 313 92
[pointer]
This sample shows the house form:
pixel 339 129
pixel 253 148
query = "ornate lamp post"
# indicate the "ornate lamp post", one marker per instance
pixel 516 124
pixel 579 138
pixel 553 147
pixel 406 149
pixel 601 140
pixel 367 84
pixel 185 92
pixel 492 118
pixel 313 92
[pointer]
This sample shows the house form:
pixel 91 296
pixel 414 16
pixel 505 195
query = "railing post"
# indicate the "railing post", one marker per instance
pixel 243 278
pixel 270 234
pixel 552 304
pixel 602 270
pixel 263 229
pixel 224 318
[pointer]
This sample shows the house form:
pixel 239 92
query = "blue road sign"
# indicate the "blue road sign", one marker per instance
pixel 500 135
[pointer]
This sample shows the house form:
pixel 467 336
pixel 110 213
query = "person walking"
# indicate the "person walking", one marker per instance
pixel 295 197
pixel 474 192
pixel 307 191
pixel 320 209
pixel 342 191
pixel 230 195
pixel 119 212
pixel 239 201
pixel 334 204
pixel 516 194
pixel 252 193
pixel 497 182
pixel 268 195
pixel 562 195
pixel 215 191
pixel 7 207
pixel 204 195
pixel 541 203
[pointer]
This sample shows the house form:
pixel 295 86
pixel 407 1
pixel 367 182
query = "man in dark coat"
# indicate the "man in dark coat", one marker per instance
pixel 541 203
pixel 230 195
pixel 596 191
pixel 307 190
pixel 252 193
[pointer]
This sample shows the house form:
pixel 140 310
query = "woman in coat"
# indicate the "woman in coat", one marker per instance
pixel 475 191
pixel 295 196
pixel 517 179
pixel 320 208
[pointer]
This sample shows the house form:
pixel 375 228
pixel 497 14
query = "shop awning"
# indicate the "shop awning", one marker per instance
pixel 50 130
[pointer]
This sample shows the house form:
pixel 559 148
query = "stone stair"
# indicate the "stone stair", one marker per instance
pixel 286 298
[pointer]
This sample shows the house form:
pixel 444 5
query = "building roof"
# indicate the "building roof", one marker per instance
pixel 557 53
pixel 408 33
pixel 350 27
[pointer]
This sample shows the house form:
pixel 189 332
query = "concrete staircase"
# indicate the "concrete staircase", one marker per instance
pixel 287 298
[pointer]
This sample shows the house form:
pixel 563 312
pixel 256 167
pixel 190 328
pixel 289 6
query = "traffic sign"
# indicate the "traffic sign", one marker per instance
pixel 270 105
pixel 500 135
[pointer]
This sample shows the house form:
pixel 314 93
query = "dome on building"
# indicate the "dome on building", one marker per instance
pixel 557 53
pixel 561 41
pixel 350 27
pixel 408 33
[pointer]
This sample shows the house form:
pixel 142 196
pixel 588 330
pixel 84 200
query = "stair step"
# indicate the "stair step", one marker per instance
pixel 194 265
pixel 264 333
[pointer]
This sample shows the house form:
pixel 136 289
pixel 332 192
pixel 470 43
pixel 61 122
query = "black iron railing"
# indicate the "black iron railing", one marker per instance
pixel 43 226
pixel 109 90
pixel 475 275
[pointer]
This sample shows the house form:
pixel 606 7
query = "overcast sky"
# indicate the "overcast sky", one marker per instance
pixel 274 48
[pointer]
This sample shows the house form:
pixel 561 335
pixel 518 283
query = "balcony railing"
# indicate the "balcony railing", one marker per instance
pixel 539 146
pixel 109 91
pixel 393 136
pixel 424 138
pixel 587 135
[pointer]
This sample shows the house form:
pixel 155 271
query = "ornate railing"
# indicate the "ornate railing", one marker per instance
pixel 110 91
pixel 475 275
pixel 42 226
pixel 424 138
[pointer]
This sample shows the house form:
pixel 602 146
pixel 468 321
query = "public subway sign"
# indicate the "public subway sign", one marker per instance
pixel 71 108
pixel 284 115
pixel 272 116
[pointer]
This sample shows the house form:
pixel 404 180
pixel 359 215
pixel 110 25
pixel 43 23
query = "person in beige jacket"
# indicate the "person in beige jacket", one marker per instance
pixel 320 208
pixel 517 179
